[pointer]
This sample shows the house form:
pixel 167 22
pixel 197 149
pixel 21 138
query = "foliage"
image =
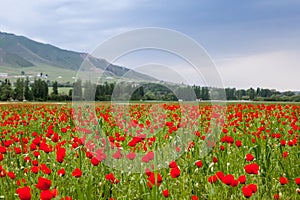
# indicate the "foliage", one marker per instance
pixel 44 153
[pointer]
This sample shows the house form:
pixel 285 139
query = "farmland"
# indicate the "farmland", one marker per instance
pixel 149 151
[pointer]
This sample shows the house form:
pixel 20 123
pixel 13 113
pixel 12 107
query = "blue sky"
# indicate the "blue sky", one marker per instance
pixel 253 43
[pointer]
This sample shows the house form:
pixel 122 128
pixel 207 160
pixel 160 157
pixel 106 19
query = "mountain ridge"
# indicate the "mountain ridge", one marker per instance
pixel 21 52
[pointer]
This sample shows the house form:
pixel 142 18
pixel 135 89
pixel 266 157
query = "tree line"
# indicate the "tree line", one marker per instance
pixel 38 90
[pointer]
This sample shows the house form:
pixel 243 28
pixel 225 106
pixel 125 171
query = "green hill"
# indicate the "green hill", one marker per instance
pixel 21 52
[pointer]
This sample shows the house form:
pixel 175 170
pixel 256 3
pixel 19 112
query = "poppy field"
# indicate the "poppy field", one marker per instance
pixel 149 151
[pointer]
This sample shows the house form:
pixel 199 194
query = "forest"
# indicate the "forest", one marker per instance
pixel 45 90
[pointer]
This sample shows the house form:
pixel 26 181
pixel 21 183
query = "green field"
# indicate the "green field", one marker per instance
pixel 54 73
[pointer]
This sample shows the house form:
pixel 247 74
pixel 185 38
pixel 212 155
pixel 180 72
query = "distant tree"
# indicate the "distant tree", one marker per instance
pixel 77 90
pixel 138 94
pixel 266 93
pixel 89 91
pixel 55 88
pixel 99 94
pixel 197 91
pixel 251 93
pixel 19 89
pixel 39 90
pixel 230 93
pixel 258 92
pixel 205 93
pixel 27 91
pixel 240 94
pixel 289 93
pixel 70 93
pixel 185 93
pixel 6 91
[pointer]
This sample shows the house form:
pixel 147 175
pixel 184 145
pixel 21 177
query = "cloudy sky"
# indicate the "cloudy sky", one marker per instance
pixel 253 43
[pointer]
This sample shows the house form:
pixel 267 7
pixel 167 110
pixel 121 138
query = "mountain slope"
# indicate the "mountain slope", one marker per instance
pixel 19 51
pixel 13 60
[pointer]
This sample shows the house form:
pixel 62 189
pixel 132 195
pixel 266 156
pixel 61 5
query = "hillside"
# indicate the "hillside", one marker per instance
pixel 21 52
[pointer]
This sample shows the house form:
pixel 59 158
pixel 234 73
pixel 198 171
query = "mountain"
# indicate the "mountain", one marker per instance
pixel 21 52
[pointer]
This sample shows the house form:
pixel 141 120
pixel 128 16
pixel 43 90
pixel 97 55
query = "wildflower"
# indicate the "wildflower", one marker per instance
pixel 24 193
pixel 43 183
pixel 283 180
pixel 199 163
pixel 165 193
pixel 77 173
pixel 175 172
pixel 247 192
pixel 249 157
pixel 252 168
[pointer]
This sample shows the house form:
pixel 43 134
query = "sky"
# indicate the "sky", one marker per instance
pixel 252 43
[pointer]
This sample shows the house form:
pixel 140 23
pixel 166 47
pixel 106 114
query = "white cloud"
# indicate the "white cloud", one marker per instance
pixel 243 27
pixel 279 70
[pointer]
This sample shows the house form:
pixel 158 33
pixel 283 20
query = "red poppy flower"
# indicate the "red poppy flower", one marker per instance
pixel 242 179
pixel 165 193
pixel 77 173
pixel 172 164
pixel 215 159
pixel 155 179
pixel 249 157
pixel 253 187
pixel 194 198
pixel 234 183
pixel 297 181
pixel 131 156
pixel 64 130
pixel 95 161
pixel 285 154
pixel 252 168
pixel 212 179
pixel 100 155
pixel 110 177
pixel 18 150
pixel 282 142
pixel 2 149
pixel 247 192
pixel 27 159
pixel 36 154
pixel 43 183
pixel 228 179
pixel 224 130
pixel 238 143
pixel 175 172
pixel 88 154
pixel 61 172
pixel 24 193
pixel 35 162
pixel 150 185
pixel 11 175
pixel 148 157
pixel 148 172
pixel 276 196
pixel 54 192
pixel 220 175
pixel 283 180
pixel 46 195
pixel 60 155
pixel 117 155
pixel 199 163
pixel 45 169
pixel 34 169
